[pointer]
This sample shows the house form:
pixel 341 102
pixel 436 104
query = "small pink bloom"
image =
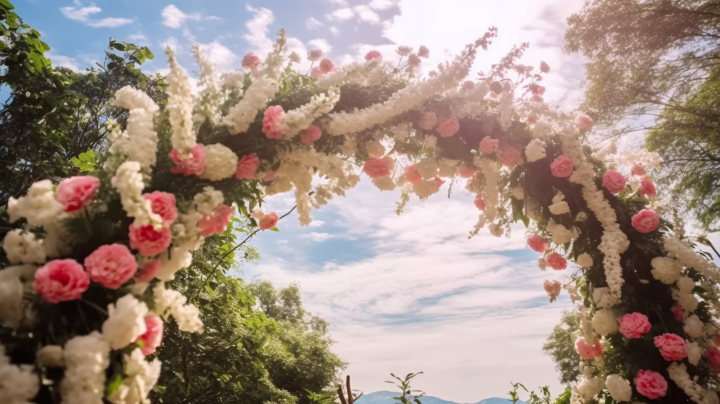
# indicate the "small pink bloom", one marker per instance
pixel 316 72
pixel 510 156
pixel 537 89
pixel 489 145
pixel 310 135
pixel 583 122
pixel 479 202
pixel 638 170
pixel 247 167
pixel 76 192
pixel 424 52
pixel 216 221
pixel 650 384
pixel 111 265
pixel 327 66
pixel 677 312
pixel 465 171
pixel 713 355
pixel 587 351
pixel 537 243
pixel 552 288
pixel 195 164
pixel 153 336
pixel 148 271
pixel 544 67
pixel 647 188
pixel 268 221
pixel 634 325
pixel 269 176
pixel 645 221
pixel 448 127
pixel 613 181
pixel 562 166
pixel 148 241
pixel 163 204
pixel 671 346
pixel 428 120
pixel 411 175
pixel 271 127
pixel 250 61
pixel 61 281
pixel 439 181
pixel 556 261
pixel 376 168
pixel 372 55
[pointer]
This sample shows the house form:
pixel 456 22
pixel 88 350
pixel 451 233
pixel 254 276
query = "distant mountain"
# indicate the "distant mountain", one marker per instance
pixel 386 397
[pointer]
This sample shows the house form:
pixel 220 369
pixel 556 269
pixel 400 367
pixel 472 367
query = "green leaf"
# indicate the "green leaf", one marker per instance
pixel 6 5
pixel 114 383
pixel 274 229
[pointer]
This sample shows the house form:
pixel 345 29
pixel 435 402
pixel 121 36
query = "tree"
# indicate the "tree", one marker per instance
pixel 652 66
pixel 560 344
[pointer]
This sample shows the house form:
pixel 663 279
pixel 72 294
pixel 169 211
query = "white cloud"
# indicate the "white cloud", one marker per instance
pixel 334 31
pixel 222 57
pixel 258 28
pixel 312 23
pixel 318 237
pixel 64 61
pixel 341 14
pixel 172 43
pixel 366 14
pixel 137 37
pixel 321 44
pixel 174 18
pixel 381 4
pixel 82 14
pixel 340 3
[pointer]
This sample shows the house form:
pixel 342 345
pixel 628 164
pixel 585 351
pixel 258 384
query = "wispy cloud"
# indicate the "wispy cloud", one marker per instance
pixel 312 23
pixel 320 43
pixel 173 17
pixel 341 14
pixel 64 61
pixel 82 14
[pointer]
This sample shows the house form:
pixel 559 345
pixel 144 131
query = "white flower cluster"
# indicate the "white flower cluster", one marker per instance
pixel 211 96
pixel 665 269
pixel 535 150
pixel 207 200
pixel 364 74
pixel 86 358
pixel 689 258
pixel 22 247
pixel 298 119
pixel 141 376
pixel 561 234
pixel 180 107
pixel 260 92
pixel 15 282
pixel 619 388
pixel 39 207
pixel 129 183
pixel 18 384
pixel 139 141
pixel 587 388
pixel 636 155
pixel 173 302
pixel 506 109
pixel 604 322
pixel 559 206
pixel 678 374
pixel 220 162
pixel 125 323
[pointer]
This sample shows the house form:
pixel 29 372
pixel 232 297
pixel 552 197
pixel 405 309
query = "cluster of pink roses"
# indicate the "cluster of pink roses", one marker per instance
pixel 447 128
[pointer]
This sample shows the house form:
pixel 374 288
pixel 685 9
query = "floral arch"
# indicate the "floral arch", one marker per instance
pixel 116 237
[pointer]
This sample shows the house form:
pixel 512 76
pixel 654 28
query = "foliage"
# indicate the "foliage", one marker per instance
pixel 407 394
pixel 534 398
pixel 560 344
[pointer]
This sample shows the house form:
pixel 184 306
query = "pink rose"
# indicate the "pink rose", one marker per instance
pixel 327 66
pixel 510 156
pixel 250 61
pixel 613 181
pixel 583 122
pixel 148 271
pixel 645 221
pixel 271 127
pixel 195 164
pixel 552 288
pixel 153 336
pixel 316 72
pixel 111 265
pixel 562 166
pixel 247 167
pixel 61 281
pixel 537 243
pixel 428 120
pixel 647 188
pixel 650 384
pixel 411 175
pixel 489 145
pixel 372 55
pixel 163 204
pixel 216 221
pixel 376 168
pixel 268 221
pixel 556 261
pixel 638 170
pixel 148 241
pixel 448 127
pixel 587 351
pixel 465 171
pixel 634 325
pixel 713 355
pixel 310 135
pixel 677 312
pixel 76 192
pixel 479 201
pixel 671 346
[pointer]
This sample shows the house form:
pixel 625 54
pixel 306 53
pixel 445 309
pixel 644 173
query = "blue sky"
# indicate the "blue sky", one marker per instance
pixel 403 293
